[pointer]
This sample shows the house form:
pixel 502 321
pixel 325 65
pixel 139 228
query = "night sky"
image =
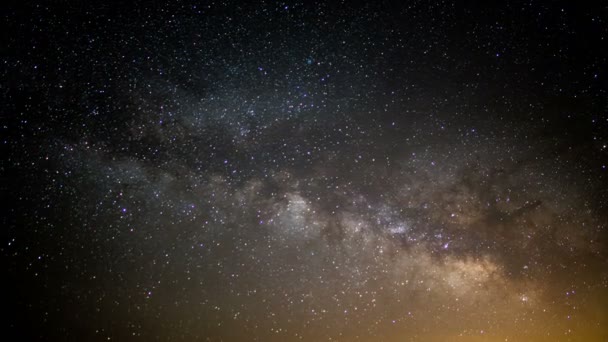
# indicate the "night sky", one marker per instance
pixel 283 171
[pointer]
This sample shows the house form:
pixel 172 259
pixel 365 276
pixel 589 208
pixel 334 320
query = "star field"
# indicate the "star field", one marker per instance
pixel 285 171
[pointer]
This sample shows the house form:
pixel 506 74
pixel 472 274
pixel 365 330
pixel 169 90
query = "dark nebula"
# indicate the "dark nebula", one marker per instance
pixel 283 171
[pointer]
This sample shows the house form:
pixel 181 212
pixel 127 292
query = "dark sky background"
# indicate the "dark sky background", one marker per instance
pixel 283 171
